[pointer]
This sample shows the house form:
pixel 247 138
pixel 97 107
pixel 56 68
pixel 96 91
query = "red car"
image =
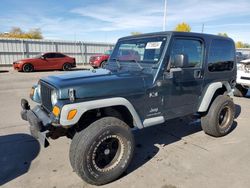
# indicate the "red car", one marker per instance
pixel 128 55
pixel 99 60
pixel 46 61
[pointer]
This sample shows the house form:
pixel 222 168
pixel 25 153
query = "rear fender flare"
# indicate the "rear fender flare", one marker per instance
pixel 210 91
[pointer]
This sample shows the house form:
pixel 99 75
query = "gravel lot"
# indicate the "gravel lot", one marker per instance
pixel 177 154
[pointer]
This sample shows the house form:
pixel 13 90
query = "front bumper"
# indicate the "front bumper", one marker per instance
pixel 17 66
pixel 39 121
pixel 243 78
pixel 95 63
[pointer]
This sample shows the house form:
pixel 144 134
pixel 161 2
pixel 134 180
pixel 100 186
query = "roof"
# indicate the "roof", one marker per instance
pixel 175 33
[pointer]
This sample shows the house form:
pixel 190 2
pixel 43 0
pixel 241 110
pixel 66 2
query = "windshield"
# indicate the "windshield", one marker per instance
pixel 38 56
pixel 141 50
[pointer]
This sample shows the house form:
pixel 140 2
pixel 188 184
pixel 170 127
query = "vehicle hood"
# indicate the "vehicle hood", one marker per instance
pixel 26 60
pixel 99 83
pixel 100 55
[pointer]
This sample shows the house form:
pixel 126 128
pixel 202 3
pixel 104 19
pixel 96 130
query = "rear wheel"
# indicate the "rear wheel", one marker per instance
pixel 219 118
pixel 103 64
pixel 240 91
pixel 102 152
pixel 66 67
pixel 28 68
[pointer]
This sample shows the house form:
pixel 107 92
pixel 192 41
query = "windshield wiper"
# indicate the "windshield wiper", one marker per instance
pixel 117 62
pixel 137 63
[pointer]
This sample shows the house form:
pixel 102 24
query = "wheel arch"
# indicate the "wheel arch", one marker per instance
pixel 104 107
pixel 66 63
pixel 28 63
pixel 212 91
pixel 104 61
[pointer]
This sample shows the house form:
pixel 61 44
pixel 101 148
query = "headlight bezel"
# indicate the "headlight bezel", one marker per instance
pixel 35 93
pixel 240 67
pixel 54 97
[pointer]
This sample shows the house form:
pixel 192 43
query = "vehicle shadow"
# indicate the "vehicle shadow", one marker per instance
pixel 237 110
pixel 4 71
pixel 172 131
pixel 16 154
pixel 165 134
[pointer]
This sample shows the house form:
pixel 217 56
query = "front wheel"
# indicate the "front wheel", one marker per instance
pixel 28 68
pixel 219 119
pixel 102 151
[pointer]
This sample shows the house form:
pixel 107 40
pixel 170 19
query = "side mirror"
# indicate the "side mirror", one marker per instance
pixel 180 61
pixel 42 57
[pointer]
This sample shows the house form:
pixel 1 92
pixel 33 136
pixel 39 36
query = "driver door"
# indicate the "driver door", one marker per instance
pixel 184 84
pixel 44 62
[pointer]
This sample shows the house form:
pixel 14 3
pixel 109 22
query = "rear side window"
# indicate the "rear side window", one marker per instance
pixel 221 56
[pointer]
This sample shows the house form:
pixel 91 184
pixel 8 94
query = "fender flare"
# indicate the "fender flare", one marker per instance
pixel 211 89
pixel 83 107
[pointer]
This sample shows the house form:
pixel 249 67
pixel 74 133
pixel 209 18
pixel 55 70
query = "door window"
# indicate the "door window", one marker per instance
pixel 192 48
pixel 59 55
pixel 50 55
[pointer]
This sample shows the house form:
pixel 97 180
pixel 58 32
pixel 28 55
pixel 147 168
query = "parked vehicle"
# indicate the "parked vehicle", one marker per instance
pixel 173 74
pixel 46 61
pixel 243 78
pixel 99 60
pixel 239 57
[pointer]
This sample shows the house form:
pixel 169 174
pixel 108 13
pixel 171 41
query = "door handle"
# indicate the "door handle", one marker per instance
pixel 197 74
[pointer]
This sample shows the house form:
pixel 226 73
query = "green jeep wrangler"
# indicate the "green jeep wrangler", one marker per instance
pixel 149 79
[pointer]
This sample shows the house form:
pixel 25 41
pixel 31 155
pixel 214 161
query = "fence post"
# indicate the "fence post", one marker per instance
pixel 81 48
pixel 22 42
pixel 56 46
pixel 26 48
pixel 86 53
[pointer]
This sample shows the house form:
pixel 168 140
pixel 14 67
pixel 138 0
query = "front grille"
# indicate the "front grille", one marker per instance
pixel 46 91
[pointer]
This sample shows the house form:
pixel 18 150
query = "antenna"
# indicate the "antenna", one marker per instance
pixel 165 16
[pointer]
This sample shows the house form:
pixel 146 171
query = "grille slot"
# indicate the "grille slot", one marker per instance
pixel 46 91
pixel 245 78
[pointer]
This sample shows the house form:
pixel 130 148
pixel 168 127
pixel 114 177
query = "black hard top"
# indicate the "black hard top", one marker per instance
pixel 176 33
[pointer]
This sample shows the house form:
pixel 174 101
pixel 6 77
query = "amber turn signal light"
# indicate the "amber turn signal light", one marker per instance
pixel 71 114
pixel 56 111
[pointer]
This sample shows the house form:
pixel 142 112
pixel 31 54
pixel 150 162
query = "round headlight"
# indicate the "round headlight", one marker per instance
pixel 54 97
pixel 240 67
pixel 39 89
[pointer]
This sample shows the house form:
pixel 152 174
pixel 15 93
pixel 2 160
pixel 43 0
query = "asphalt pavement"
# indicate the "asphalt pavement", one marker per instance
pixel 176 154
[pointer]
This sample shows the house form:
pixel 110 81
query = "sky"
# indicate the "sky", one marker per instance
pixel 108 20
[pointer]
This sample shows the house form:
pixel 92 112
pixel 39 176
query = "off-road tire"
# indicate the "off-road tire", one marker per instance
pixel 218 120
pixel 28 68
pixel 66 67
pixel 240 91
pixel 100 153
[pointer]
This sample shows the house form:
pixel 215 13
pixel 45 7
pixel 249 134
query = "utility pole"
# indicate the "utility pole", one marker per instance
pixel 165 15
pixel 202 29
